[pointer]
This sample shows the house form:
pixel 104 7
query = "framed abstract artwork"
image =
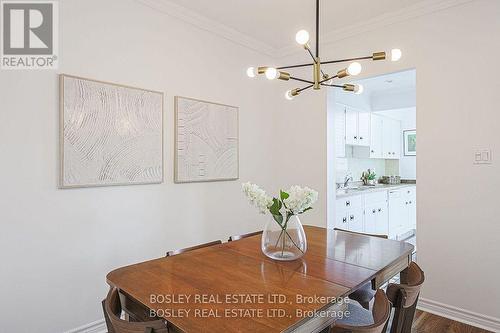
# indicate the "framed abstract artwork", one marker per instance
pixel 410 142
pixel 110 134
pixel 206 141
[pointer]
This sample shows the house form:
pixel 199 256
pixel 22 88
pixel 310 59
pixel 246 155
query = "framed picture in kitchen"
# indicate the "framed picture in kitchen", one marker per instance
pixel 410 142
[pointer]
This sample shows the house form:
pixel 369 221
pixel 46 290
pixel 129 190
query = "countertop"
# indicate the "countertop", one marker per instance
pixel 370 189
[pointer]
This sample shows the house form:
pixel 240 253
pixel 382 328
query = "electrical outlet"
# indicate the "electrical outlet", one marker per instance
pixel 482 156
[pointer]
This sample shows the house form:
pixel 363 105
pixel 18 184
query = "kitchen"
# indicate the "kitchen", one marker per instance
pixel 375 157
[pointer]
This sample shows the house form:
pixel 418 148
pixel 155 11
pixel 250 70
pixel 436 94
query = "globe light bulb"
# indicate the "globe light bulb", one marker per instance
pixel 396 54
pixel 302 37
pixel 354 68
pixel 358 89
pixel 251 72
pixel 271 73
pixel 288 95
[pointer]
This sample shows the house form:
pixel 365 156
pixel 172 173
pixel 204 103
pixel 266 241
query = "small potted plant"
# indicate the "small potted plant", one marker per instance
pixel 283 237
pixel 369 178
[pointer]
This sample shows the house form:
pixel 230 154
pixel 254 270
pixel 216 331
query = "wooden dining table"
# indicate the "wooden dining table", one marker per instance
pixel 234 287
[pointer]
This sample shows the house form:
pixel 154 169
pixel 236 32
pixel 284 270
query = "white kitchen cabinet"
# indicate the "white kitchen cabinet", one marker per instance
pixel 411 205
pixel 351 127
pixel 391 138
pixel 340 128
pixel 376 133
pixel 364 128
pixel 397 213
pixel 357 127
pixel 402 211
pixel 376 213
pixel 386 212
pixel 355 220
pixel 377 219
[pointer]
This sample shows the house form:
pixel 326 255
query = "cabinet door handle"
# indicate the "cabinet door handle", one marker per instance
pixel 361 138
pixel 410 202
pixel 347 203
pixel 374 211
pixel 351 217
pixel 344 220
pixel 373 151
pixel 380 209
pixel 355 137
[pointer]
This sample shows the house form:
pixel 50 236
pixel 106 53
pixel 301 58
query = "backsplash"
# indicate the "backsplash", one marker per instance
pixel 356 166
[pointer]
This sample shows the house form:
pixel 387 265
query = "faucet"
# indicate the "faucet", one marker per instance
pixel 348 177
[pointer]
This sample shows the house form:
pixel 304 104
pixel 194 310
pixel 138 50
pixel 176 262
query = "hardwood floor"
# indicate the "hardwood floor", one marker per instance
pixel 428 323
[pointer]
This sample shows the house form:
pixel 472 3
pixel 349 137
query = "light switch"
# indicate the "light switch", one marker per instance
pixel 482 156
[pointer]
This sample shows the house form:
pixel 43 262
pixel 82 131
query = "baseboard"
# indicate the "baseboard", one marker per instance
pixel 98 326
pixel 460 315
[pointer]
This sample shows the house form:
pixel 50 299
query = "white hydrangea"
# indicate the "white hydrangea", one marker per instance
pixel 257 197
pixel 300 199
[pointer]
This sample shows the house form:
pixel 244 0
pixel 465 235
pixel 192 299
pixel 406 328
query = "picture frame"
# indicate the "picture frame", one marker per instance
pixel 124 142
pixel 200 124
pixel 410 142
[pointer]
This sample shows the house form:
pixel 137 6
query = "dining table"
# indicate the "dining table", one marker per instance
pixel 234 287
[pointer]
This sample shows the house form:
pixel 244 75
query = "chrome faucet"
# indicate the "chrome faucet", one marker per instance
pixel 347 178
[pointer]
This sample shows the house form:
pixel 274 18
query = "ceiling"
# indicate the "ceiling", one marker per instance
pixel 390 83
pixel 275 22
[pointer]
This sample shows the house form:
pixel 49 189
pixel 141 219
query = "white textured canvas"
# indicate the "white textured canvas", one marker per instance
pixel 206 141
pixel 111 134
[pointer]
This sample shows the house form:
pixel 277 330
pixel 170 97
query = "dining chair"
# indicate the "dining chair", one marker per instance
pixel 404 298
pixel 112 314
pixel 179 251
pixel 360 320
pixel 365 293
pixel 238 237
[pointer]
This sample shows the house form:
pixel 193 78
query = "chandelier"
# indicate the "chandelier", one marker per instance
pixel 320 78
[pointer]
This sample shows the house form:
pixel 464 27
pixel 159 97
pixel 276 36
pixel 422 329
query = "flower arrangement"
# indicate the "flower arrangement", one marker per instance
pixel 369 177
pixel 295 201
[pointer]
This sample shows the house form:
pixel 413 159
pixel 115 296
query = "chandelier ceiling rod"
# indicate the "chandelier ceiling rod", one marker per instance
pixel 320 78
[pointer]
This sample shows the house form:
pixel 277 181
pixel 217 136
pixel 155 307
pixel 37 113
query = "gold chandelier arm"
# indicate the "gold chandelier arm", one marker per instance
pixel 301 80
pixel 375 56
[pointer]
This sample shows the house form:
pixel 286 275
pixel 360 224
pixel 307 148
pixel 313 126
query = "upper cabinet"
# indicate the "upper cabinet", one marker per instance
pixel 357 127
pixel 391 138
pixel 376 136
pixel 340 128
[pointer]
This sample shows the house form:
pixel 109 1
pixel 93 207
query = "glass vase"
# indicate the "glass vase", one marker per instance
pixel 284 242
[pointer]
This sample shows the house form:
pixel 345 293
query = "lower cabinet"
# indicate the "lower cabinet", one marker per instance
pixel 402 211
pixel 377 219
pixel 391 212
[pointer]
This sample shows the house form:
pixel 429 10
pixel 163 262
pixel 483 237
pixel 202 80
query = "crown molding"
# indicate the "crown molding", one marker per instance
pixel 421 8
pixel 204 23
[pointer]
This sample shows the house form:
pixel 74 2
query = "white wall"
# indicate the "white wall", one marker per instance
pixel 408 118
pixel 457 217
pixel 56 246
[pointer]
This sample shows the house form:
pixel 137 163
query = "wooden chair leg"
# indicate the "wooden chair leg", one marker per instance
pixel 106 318
pixel 409 316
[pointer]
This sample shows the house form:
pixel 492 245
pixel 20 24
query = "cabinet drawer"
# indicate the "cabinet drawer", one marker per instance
pixel 375 197
pixel 354 201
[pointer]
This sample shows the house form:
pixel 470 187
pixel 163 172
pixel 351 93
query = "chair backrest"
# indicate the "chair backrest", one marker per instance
pixel 112 312
pixel 238 237
pixel 404 297
pixel 176 252
pixel 381 312
pixel 362 233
